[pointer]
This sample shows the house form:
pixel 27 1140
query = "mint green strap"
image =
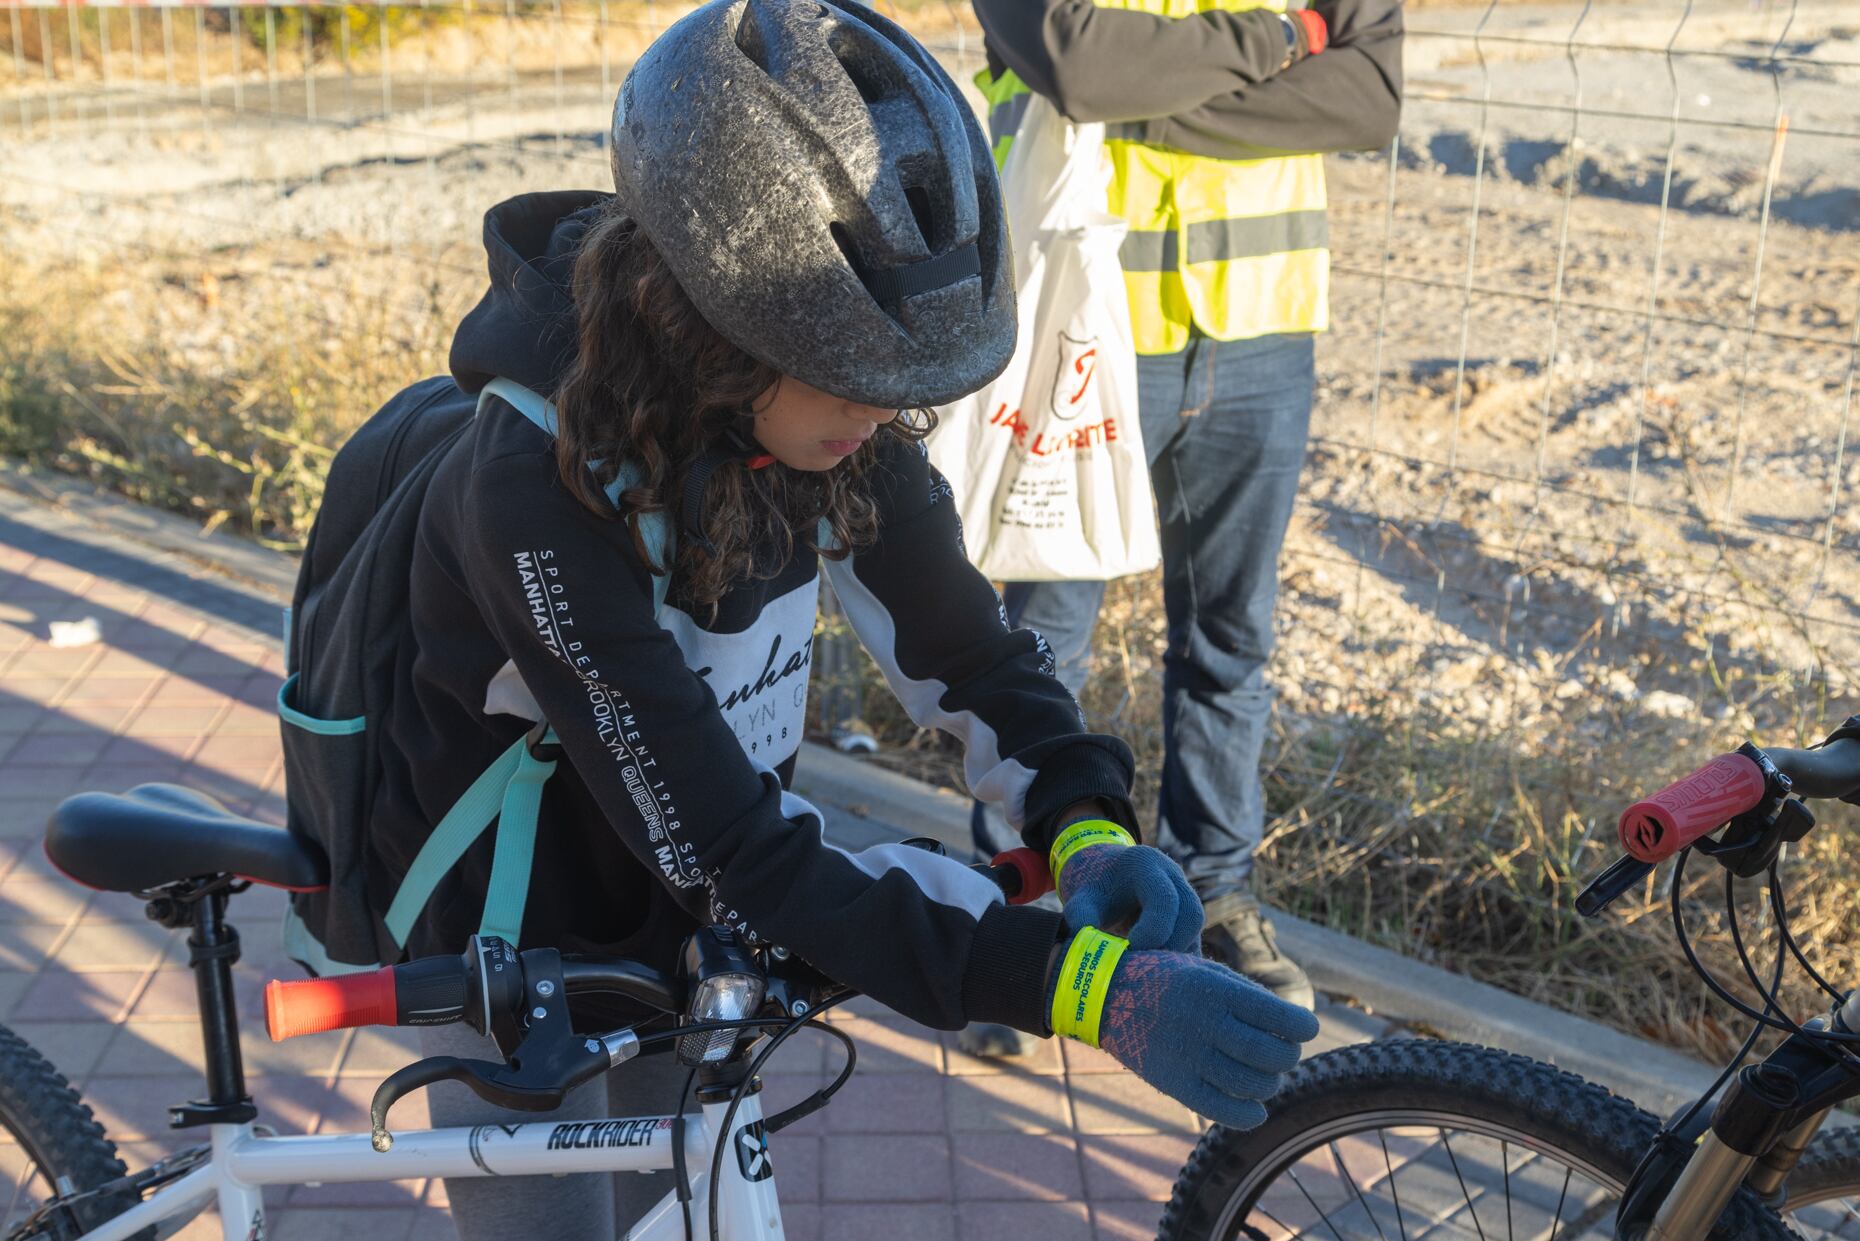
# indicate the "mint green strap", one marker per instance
pixel 470 815
pixel 509 889
pixel 654 528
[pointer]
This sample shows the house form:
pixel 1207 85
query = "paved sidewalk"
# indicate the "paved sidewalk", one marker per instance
pixel 925 1143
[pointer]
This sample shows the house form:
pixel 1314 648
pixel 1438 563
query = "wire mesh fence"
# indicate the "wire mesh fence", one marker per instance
pixel 1580 470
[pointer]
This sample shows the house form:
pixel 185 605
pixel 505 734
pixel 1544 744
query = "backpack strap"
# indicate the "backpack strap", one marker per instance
pixel 509 792
pixel 654 528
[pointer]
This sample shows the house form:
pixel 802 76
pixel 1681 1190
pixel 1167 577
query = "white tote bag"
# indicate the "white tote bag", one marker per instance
pixel 1047 461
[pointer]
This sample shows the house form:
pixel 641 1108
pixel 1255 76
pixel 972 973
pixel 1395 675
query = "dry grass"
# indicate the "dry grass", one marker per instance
pixel 219 393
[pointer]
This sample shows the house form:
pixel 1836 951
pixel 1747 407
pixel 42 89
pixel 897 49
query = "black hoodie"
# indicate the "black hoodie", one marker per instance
pixel 670 806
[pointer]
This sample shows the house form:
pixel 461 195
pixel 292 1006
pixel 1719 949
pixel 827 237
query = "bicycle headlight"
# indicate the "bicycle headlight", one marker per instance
pixel 725 984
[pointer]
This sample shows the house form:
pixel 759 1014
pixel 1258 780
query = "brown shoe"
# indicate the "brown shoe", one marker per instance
pixel 1237 935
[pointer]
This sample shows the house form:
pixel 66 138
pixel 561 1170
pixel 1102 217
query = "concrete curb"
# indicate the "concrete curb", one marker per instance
pixel 230 555
pixel 1394 986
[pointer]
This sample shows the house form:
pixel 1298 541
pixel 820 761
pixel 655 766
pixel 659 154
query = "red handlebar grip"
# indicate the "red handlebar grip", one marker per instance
pixel 317 1004
pixel 1655 829
pixel 1035 882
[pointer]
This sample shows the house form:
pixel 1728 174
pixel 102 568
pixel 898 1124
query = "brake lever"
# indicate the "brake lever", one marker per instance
pixel 1622 874
pixel 550 1060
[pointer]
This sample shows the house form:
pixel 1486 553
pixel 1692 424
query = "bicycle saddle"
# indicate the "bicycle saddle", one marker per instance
pixel 157 834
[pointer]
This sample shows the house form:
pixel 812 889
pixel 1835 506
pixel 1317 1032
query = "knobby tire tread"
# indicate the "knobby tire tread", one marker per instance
pixel 1454 1078
pixel 41 1109
pixel 1829 1168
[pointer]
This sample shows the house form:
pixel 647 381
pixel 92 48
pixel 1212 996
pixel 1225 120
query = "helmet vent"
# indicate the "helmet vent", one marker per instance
pixel 919 199
pixel 840 238
pixel 750 40
pixel 868 72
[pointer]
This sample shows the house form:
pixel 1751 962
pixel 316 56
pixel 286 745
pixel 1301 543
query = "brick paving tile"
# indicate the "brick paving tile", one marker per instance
pixel 888 1103
pixel 379 1052
pixel 29 947
pixel 22 818
pixel 30 898
pixel 797 1167
pixel 74 749
pixel 151 767
pixel 62 995
pixel 1016 1221
pixel 35 689
pixel 142 1048
pixel 1124 1166
pixel 13 984
pixel 800 1221
pixel 886 1168
pixel 1007 1103
pixel 891 1222
pixel 45 779
pixel 154 749
pixel 341 1224
pixel 313 1053
pixel 892 1046
pixel 240 750
pixel 1017 1166
pixel 1126 1221
pixel 1124 1103
pixel 114 946
pixel 93 688
pixel 1043 1059
pixel 19 718
pixel 84 717
pixel 161 720
pixel 402 1194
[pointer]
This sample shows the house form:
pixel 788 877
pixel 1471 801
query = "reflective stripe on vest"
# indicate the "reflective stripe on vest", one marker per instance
pixel 1238 248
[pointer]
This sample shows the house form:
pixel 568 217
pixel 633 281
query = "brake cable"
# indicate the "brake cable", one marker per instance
pixel 792 1114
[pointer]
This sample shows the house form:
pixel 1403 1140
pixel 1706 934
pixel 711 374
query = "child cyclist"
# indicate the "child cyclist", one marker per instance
pixel 805 239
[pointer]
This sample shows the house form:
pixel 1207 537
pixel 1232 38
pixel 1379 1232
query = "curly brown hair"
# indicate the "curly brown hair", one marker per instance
pixel 654 384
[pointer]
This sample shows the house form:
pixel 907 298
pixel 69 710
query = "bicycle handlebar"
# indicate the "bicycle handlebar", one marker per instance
pixel 435 990
pixel 1657 827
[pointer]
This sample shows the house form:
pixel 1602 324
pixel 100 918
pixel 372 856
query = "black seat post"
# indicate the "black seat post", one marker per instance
pixel 212 949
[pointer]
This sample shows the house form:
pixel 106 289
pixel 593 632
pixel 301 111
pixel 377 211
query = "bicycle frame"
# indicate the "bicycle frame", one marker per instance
pixel 243 1162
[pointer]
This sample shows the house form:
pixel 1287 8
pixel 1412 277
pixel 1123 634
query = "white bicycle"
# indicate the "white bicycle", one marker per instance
pixel 726 1010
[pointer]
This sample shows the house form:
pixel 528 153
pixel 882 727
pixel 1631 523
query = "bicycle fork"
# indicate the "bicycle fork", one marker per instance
pixel 1758 1131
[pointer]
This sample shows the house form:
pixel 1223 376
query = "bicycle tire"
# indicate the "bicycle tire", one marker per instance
pixel 1452 1084
pixel 1828 1170
pixel 55 1127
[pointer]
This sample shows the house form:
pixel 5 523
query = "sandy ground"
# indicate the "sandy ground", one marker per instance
pixel 1571 446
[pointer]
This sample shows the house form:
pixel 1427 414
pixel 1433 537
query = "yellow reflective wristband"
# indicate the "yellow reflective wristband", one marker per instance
pixel 1083 835
pixel 1084 980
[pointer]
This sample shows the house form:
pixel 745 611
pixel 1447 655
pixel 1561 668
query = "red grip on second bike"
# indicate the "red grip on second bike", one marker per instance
pixel 313 1005
pixel 1660 826
pixel 1035 881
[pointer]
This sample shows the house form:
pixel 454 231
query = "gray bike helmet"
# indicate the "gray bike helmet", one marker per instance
pixel 824 195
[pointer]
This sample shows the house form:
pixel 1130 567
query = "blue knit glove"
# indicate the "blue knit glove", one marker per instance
pixel 1192 1028
pixel 1110 885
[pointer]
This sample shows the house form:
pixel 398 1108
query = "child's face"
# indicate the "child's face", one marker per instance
pixel 806 429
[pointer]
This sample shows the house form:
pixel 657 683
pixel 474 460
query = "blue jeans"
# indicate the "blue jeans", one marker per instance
pixel 1224 425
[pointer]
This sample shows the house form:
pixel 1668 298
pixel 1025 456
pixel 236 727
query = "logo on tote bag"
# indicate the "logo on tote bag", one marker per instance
pixel 1078 363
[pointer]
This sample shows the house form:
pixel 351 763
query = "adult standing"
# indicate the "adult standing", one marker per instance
pixel 1217 112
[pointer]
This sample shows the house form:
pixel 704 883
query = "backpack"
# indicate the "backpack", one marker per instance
pixel 344 634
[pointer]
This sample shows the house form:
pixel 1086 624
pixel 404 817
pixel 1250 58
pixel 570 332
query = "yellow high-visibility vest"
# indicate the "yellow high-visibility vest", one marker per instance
pixel 1238 248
